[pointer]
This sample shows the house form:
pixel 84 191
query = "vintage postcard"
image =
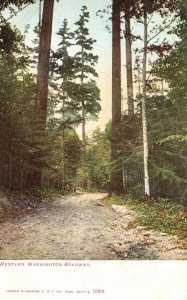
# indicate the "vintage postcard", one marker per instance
pixel 93 159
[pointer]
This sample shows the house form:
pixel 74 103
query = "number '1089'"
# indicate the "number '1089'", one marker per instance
pixel 98 291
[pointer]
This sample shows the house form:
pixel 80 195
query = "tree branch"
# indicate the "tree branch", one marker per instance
pixel 161 31
pixel 15 14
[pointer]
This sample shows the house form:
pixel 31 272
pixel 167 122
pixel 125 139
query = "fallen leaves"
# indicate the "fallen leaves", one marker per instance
pixel 181 214
pixel 161 214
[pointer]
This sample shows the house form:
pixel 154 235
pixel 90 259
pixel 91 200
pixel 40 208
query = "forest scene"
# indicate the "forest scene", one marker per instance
pixel 93 140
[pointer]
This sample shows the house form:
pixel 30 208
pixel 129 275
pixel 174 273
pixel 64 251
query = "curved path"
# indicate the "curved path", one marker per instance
pixel 80 227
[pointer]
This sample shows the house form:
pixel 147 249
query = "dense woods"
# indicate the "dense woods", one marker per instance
pixel 142 149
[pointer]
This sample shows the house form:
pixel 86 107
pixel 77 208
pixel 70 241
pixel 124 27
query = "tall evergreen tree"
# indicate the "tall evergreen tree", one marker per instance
pixel 35 177
pixel 116 181
pixel 85 61
pixel 64 70
pixel 128 7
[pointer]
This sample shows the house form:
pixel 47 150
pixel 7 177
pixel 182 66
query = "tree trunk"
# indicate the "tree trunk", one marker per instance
pixel 116 181
pixel 85 183
pixel 128 38
pixel 44 55
pixel 83 130
pixel 139 82
pixel 83 115
pixel 144 118
pixel 62 147
pixel 35 178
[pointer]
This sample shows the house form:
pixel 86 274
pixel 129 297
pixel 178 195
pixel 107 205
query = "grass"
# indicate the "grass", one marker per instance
pixel 160 214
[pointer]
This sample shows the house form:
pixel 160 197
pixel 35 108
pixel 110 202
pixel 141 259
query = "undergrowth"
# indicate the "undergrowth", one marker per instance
pixel 159 214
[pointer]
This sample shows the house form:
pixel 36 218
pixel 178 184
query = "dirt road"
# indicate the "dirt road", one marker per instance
pixel 78 227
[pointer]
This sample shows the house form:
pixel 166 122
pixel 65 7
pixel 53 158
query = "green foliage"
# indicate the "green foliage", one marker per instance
pixel 131 131
pixel 8 38
pixel 34 50
pixel 63 63
pixel 167 147
pixel 95 170
pixel 63 80
pixel 73 151
pixel 130 151
pixel 160 214
pixel 168 156
pixel 60 170
pixel 17 93
pixel 87 91
pixel 166 118
pixel 98 156
pixel 68 68
pixel 6 3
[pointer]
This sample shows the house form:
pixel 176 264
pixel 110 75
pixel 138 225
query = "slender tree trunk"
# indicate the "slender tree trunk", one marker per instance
pixel 128 39
pixel 83 130
pixel 62 160
pixel 84 156
pixel 129 76
pixel 144 118
pixel 139 82
pixel 35 178
pixel 116 65
pixel 85 183
pixel 62 146
pixel 116 181
pixel 83 115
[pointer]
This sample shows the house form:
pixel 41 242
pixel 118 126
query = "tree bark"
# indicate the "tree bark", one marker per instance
pixel 116 180
pixel 144 118
pixel 116 64
pixel 85 183
pixel 35 178
pixel 83 130
pixel 63 146
pixel 83 114
pixel 44 55
pixel 130 100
